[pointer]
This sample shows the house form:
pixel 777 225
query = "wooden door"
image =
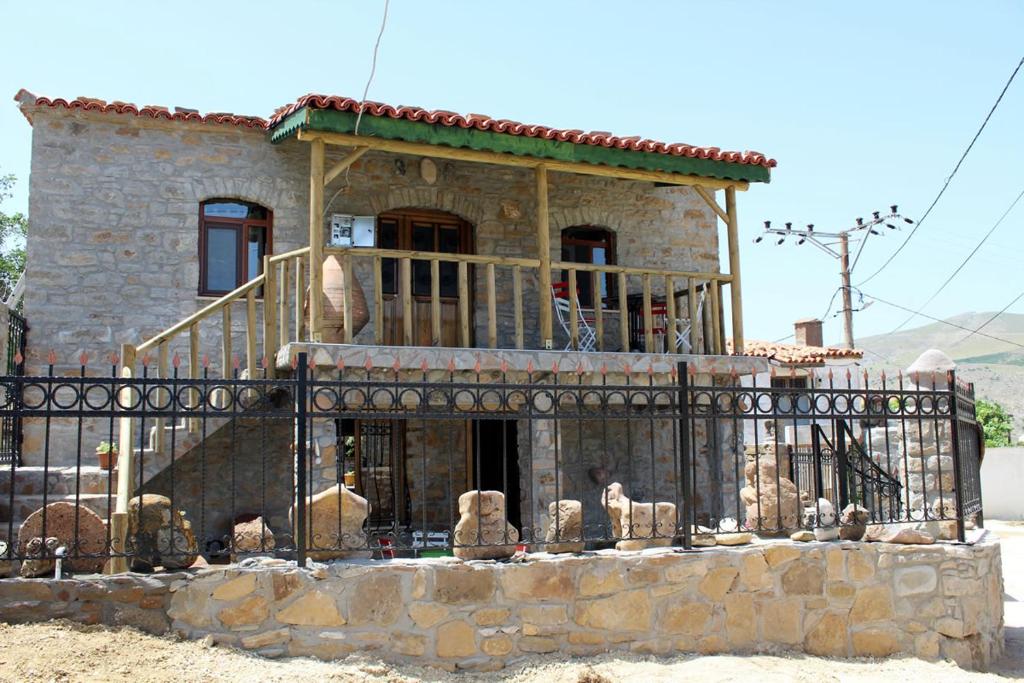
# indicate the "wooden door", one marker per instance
pixel 423 231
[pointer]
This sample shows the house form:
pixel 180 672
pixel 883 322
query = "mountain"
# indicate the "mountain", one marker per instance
pixel 995 367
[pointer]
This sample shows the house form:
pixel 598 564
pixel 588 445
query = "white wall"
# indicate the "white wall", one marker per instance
pixel 1002 475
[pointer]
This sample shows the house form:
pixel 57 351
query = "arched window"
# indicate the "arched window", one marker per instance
pixel 233 238
pixel 588 244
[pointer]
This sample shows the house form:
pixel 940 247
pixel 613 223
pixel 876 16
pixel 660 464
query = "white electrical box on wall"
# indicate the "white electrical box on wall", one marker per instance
pixel 352 231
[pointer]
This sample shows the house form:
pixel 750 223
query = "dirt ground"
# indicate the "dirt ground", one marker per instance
pixel 64 652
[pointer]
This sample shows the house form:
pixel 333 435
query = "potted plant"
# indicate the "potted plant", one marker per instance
pixel 106 452
pixel 350 478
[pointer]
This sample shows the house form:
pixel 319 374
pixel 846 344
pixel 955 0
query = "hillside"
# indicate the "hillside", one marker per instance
pixel 996 368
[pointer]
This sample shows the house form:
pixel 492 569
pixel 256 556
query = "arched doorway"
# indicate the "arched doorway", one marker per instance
pixel 423 230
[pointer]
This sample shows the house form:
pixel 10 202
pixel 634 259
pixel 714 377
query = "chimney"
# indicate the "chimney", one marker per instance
pixel 808 332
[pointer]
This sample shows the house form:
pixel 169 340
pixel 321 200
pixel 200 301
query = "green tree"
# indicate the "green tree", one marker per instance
pixel 13 230
pixel 996 422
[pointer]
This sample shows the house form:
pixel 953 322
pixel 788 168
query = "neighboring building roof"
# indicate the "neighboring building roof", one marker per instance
pixel 473 131
pixel 795 354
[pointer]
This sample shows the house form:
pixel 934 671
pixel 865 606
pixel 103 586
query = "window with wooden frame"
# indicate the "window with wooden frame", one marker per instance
pixel 234 236
pixel 588 244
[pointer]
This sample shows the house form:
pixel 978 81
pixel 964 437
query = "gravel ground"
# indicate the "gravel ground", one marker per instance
pixel 64 652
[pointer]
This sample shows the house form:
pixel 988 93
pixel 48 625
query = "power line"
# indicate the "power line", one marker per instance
pixel 948 179
pixel 977 330
pixel 962 263
pixel 959 327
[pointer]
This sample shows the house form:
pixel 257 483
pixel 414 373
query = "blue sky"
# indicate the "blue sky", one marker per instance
pixel 863 104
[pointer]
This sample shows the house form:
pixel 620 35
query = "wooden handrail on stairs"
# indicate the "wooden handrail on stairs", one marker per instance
pixel 282 273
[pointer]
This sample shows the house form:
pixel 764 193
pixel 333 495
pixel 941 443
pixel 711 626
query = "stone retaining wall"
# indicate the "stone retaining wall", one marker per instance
pixel 839 599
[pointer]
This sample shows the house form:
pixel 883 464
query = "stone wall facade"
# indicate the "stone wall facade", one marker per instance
pixel 838 600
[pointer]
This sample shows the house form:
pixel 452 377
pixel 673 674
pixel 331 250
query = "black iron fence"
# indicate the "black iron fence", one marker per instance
pixel 10 425
pixel 338 462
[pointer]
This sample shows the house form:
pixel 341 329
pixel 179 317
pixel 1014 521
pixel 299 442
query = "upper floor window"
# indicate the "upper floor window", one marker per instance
pixel 233 238
pixel 587 244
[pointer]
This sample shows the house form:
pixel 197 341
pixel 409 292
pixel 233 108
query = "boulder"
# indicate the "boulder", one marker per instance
pixel 802 536
pixel 565 527
pixel 773 501
pixel 5 563
pixel 158 535
pixel 639 525
pixel 738 538
pixel 39 557
pixel 482 532
pixel 251 537
pixel 821 519
pixel 853 522
pixel 895 533
pixel 69 523
pixel 334 526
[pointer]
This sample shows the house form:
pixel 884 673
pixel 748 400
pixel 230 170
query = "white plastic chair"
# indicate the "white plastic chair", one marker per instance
pixel 587 335
pixel 683 330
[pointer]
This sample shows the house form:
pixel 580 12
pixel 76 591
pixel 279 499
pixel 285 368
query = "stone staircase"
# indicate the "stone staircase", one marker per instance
pixel 90 486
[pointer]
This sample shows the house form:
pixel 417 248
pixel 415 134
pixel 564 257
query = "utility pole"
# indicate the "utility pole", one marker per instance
pixel 844 272
pixel 841 239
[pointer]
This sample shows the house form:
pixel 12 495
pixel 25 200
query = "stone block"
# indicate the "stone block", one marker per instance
pixel 777 555
pixel 686 617
pixel 915 580
pixel 312 609
pixel 607 580
pixel 544 615
pixel 876 643
pixel 460 585
pixel 873 603
pixel 375 599
pixel 537 581
pixel 538 644
pixel 427 614
pixel 235 588
pixel 625 611
pixel 803 578
pixel 492 616
pixel 827 638
pixel 781 620
pixel 717 582
pixel 275 637
pixel 497 646
pixel 754 572
pixel 456 639
pixel 251 612
pixel 740 619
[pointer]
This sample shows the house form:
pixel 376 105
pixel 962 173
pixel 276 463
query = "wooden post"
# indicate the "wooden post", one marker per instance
pixel 574 312
pixel 250 332
pixel 691 303
pixel 670 316
pixel 194 372
pixel 544 255
pixel 623 313
pixel 734 270
pixel 648 322
pixel 435 302
pixel 125 469
pixel 492 309
pixel 348 276
pixel 165 396
pixel 716 317
pixel 464 304
pixel 225 353
pixel 595 288
pixel 378 302
pixel 270 313
pixel 405 270
pixel 300 293
pixel 316 240
pixel 283 276
pixel 517 302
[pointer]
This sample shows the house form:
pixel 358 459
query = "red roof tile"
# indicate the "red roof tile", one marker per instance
pixel 25 98
pixel 795 354
pixel 483 122
pixel 439 117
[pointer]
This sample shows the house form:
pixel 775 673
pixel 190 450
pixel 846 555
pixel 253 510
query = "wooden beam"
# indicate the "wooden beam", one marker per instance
pixel 734 270
pixel 710 201
pixel 517 303
pixel 316 241
pixel 492 308
pixel 623 312
pixel 435 303
pixel 544 256
pixel 462 154
pixel 343 164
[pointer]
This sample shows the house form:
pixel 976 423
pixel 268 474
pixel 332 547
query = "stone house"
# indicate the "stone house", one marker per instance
pixel 162 234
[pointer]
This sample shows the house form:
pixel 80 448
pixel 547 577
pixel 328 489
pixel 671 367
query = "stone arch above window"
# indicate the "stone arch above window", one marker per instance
pixel 234 236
